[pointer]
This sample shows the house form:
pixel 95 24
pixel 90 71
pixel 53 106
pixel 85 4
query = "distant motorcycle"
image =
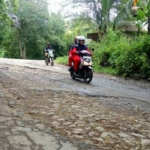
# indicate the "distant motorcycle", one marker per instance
pixel 85 68
pixel 49 57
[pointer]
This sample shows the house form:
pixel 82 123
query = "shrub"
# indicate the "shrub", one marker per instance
pixel 127 56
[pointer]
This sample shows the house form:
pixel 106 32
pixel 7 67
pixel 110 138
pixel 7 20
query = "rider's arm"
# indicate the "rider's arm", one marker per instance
pixel 74 51
pixel 89 51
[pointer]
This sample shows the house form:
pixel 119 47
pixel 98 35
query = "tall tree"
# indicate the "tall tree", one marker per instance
pixel 56 28
pixel 5 6
pixel 5 18
pixel 81 25
pixel 32 29
pixel 32 16
pixel 100 11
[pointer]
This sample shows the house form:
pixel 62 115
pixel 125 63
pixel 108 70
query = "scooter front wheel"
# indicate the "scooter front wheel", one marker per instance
pixel 88 76
pixel 52 62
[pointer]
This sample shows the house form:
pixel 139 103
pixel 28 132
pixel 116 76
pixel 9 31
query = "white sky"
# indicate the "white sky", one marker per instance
pixel 55 5
pixel 67 10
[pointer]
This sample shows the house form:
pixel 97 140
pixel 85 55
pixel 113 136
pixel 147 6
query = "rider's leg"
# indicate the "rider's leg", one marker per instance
pixel 76 60
pixel 70 60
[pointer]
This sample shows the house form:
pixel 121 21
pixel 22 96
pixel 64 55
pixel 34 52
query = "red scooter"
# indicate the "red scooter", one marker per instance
pixel 85 67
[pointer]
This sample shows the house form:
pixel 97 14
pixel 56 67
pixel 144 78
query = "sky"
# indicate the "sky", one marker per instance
pixel 55 6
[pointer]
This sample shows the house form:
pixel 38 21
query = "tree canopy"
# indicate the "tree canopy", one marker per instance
pixel 31 28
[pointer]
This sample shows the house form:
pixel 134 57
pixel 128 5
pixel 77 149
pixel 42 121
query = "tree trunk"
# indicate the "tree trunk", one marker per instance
pixel 20 47
pixel 20 44
pixel 149 25
pixel 24 52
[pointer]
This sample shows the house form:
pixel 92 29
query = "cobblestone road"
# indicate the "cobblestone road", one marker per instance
pixel 38 113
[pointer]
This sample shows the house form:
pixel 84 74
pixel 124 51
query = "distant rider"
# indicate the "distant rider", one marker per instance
pixel 46 48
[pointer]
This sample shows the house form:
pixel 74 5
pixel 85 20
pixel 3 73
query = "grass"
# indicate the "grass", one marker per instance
pixel 2 53
pixel 107 70
pixel 62 60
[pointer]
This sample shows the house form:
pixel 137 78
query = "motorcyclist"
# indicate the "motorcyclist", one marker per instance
pixel 46 49
pixel 70 58
pixel 76 50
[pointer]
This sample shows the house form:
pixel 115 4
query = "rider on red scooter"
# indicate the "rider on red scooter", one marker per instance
pixel 75 52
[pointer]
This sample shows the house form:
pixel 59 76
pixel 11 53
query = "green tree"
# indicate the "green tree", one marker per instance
pixel 32 16
pixel 5 6
pixel 101 12
pixel 81 25
pixel 5 18
pixel 55 29
pixel 34 27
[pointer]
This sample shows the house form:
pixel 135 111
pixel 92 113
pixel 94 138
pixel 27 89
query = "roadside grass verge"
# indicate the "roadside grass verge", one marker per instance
pixel 2 53
pixel 96 68
pixel 62 60
pixel 107 70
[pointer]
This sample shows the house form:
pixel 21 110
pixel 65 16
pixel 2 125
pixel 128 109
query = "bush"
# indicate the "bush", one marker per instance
pixel 123 55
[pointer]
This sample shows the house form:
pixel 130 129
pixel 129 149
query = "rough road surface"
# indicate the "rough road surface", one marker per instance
pixel 42 108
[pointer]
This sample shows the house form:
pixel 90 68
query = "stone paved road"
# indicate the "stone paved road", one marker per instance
pixel 126 92
pixel 18 131
pixel 40 109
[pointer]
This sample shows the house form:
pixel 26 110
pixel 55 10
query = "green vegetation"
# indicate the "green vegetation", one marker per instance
pixel 62 60
pixel 28 29
pixel 128 57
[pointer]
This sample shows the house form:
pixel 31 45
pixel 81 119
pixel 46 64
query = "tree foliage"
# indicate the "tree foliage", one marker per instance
pixel 5 18
pixel 81 25
pixel 32 28
pixel 5 7
pixel 127 57
pixel 140 15
pixel 99 11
